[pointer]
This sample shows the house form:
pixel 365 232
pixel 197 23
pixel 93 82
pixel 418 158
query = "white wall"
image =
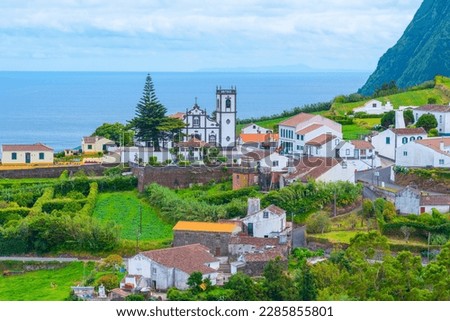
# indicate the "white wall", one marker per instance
pixel 263 227
pixel 339 173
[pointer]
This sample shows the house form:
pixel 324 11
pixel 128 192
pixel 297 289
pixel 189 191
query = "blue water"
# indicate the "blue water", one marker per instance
pixel 58 108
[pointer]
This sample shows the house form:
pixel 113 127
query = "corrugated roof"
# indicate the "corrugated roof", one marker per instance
pixel 299 118
pixel 187 258
pixel 206 227
pixel 39 147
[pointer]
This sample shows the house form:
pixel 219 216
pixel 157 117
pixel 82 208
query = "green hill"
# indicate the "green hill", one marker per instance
pixel 420 54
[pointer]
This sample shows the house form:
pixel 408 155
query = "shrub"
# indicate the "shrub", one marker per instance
pixel 109 281
pixel 88 208
pixel 318 223
pixel 7 214
pixel 46 196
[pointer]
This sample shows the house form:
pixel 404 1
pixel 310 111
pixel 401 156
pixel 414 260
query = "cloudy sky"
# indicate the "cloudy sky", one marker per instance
pixel 191 35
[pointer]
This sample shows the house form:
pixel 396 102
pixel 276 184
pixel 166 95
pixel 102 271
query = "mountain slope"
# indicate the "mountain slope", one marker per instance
pixel 420 54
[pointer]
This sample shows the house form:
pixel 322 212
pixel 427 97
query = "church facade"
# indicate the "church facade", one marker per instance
pixel 219 131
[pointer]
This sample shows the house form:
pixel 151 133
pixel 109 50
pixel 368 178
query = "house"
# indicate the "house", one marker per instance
pixel 412 201
pixel 323 145
pixel 171 267
pixel 133 283
pixel 24 154
pixel 95 144
pixel 374 107
pixel 440 112
pixel 388 141
pixel 142 155
pixel 215 236
pixel 192 149
pixel 275 162
pixel 324 169
pixel 244 177
pixel 359 152
pixel 296 131
pixel 432 152
pixel 254 129
pixel 266 223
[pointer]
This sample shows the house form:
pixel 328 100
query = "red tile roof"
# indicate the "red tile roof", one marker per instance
pixel 435 108
pixel 362 144
pixel 409 131
pixel 435 143
pixel 309 129
pixel 256 241
pixel 188 258
pixel 178 115
pixel 193 143
pixel 321 139
pixel 266 256
pixel 276 210
pixel 312 167
pixel 295 120
pixel 27 148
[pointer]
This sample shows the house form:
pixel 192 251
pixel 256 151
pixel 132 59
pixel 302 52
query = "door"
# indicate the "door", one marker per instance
pixel 218 252
pixel 250 229
pixel 27 158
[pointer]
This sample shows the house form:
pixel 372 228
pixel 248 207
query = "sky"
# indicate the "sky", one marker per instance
pixel 182 35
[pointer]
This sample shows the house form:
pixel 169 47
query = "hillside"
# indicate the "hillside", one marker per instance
pixel 421 53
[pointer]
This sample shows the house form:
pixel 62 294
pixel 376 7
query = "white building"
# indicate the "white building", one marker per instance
pixel 138 155
pixel 220 131
pixel 254 129
pixel 323 145
pixel 440 112
pixel 388 141
pixel 275 162
pixel 374 107
pixel 412 201
pixel 267 222
pixel 296 131
pixel 95 144
pixel 359 152
pixel 24 154
pixel 324 169
pixel 432 152
pixel 172 267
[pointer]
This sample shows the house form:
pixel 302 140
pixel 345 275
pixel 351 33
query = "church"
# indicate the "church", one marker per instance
pixel 217 131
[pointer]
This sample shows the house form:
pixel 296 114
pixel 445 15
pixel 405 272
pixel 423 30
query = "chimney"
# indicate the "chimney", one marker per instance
pixel 254 205
pixel 441 145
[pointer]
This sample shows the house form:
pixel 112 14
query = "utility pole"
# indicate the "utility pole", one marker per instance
pixel 334 207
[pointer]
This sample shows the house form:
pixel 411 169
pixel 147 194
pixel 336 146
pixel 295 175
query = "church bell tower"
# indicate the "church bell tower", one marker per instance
pixel 226 116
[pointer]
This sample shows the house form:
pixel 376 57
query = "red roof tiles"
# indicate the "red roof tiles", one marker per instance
pixel 409 131
pixel 299 118
pixel 362 144
pixel 321 140
pixel 27 148
pixel 435 108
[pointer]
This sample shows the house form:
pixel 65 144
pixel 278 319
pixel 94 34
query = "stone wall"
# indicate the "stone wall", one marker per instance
pixel 179 177
pixel 51 172
pixel 216 242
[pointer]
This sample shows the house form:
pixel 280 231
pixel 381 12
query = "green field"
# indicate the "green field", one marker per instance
pixel 124 209
pixel 43 285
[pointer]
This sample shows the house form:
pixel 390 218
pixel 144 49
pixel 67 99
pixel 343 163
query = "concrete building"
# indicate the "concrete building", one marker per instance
pixel 215 236
pixel 374 107
pixel 323 145
pixel 95 144
pixel 296 131
pixel 412 201
pixel 432 152
pixel 361 153
pixel 27 154
pixel 440 112
pixel 387 142
pixel 171 267
pixel 255 129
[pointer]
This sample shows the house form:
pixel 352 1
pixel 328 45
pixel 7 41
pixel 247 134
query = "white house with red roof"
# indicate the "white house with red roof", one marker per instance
pixel 374 107
pixel 432 152
pixel 171 267
pixel 302 128
pixel 413 201
pixel 440 112
pixel 359 152
pixel 27 154
pixel 387 142
pixel 323 145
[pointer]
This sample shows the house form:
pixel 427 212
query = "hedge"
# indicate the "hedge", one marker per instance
pixel 106 184
pixel 88 208
pixel 394 227
pixel 59 204
pixel 46 196
pixel 12 213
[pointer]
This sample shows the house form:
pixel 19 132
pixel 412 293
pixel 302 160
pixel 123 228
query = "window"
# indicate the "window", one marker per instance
pixel 228 121
pixel 265 214
pixel 441 162
pixel 388 140
pixel 374 105
pixel 412 138
pixel 228 138
pixel 347 151
pixel 404 140
pixel 298 136
pixel 405 153
pixel 302 137
pixel 228 103
pixel 153 270
pixel 254 126
pixel 41 156
pixel 440 118
pixel 14 156
pixel 89 146
pixel 212 139
pixel 419 137
pixel 274 163
pixel 196 121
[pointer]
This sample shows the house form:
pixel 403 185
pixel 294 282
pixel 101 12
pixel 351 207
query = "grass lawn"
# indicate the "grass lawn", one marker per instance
pixel 354 131
pixel 43 285
pixel 123 208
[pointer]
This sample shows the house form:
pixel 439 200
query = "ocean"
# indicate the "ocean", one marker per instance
pixel 59 108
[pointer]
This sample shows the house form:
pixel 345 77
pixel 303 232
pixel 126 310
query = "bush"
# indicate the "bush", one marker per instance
pixel 318 223
pixel 7 214
pixel 88 208
pixel 46 196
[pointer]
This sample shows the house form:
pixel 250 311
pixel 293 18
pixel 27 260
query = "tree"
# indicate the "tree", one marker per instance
pixel 150 122
pixel 407 230
pixel 116 132
pixel 318 223
pixel 427 121
pixel 306 284
pixel 278 285
pixel 433 132
pixel 408 116
pixel 388 119
pixel 368 211
pixel 244 288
